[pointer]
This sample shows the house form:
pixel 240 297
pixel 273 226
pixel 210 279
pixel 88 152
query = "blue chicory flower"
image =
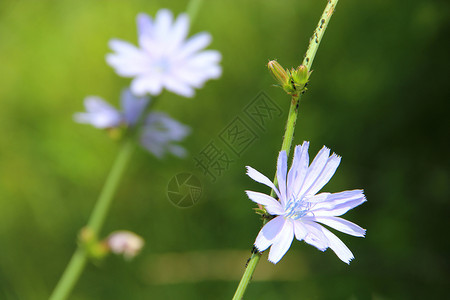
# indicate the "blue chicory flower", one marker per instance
pixel 299 209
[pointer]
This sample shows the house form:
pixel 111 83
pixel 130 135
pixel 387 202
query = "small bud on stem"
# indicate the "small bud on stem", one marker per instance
pixel 293 81
pixel 278 72
pixel 94 248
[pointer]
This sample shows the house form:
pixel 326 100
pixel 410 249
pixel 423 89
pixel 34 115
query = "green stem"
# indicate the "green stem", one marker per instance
pixel 288 137
pixel 79 258
pixel 315 40
pixel 109 189
pixel 290 125
pixel 254 259
pixel 192 9
pixel 288 134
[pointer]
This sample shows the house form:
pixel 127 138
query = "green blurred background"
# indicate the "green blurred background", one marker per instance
pixel 378 97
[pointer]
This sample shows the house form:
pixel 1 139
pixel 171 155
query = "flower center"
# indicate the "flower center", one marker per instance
pixel 297 208
pixel 162 65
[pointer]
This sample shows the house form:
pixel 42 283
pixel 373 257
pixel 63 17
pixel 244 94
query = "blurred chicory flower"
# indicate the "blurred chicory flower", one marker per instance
pixel 99 114
pixel 300 209
pixel 165 58
pixel 132 107
pixel 125 242
pixel 159 132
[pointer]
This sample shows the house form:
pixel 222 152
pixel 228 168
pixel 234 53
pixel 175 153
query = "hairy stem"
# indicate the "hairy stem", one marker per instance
pixel 288 137
pixel 251 266
pixel 315 40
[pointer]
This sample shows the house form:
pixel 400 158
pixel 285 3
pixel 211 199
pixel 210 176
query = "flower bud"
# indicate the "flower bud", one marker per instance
pixel 94 248
pixel 300 76
pixel 87 236
pixel 278 72
pixel 125 242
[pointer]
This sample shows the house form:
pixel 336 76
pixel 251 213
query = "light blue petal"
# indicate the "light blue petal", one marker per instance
pixel 326 174
pixel 281 176
pixel 144 25
pixel 317 198
pixel 282 243
pixel 177 150
pixel 258 177
pixel 194 44
pixel 341 225
pixel 272 206
pixel 160 134
pixel 163 24
pixel 338 203
pixel 298 171
pixel 128 61
pixel 299 230
pixel 179 87
pixel 147 84
pixel 315 236
pixel 99 114
pixel 178 32
pixel 314 170
pixel 341 250
pixel 268 233
pixel 132 106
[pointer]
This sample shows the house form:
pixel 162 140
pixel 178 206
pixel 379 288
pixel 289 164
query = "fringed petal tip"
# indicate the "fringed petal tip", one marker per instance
pixel 336 156
pixel 364 233
pixel 349 260
pixel 364 196
pixel 273 261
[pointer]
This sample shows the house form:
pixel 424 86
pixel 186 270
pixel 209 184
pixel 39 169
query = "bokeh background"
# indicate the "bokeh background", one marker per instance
pixel 378 97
